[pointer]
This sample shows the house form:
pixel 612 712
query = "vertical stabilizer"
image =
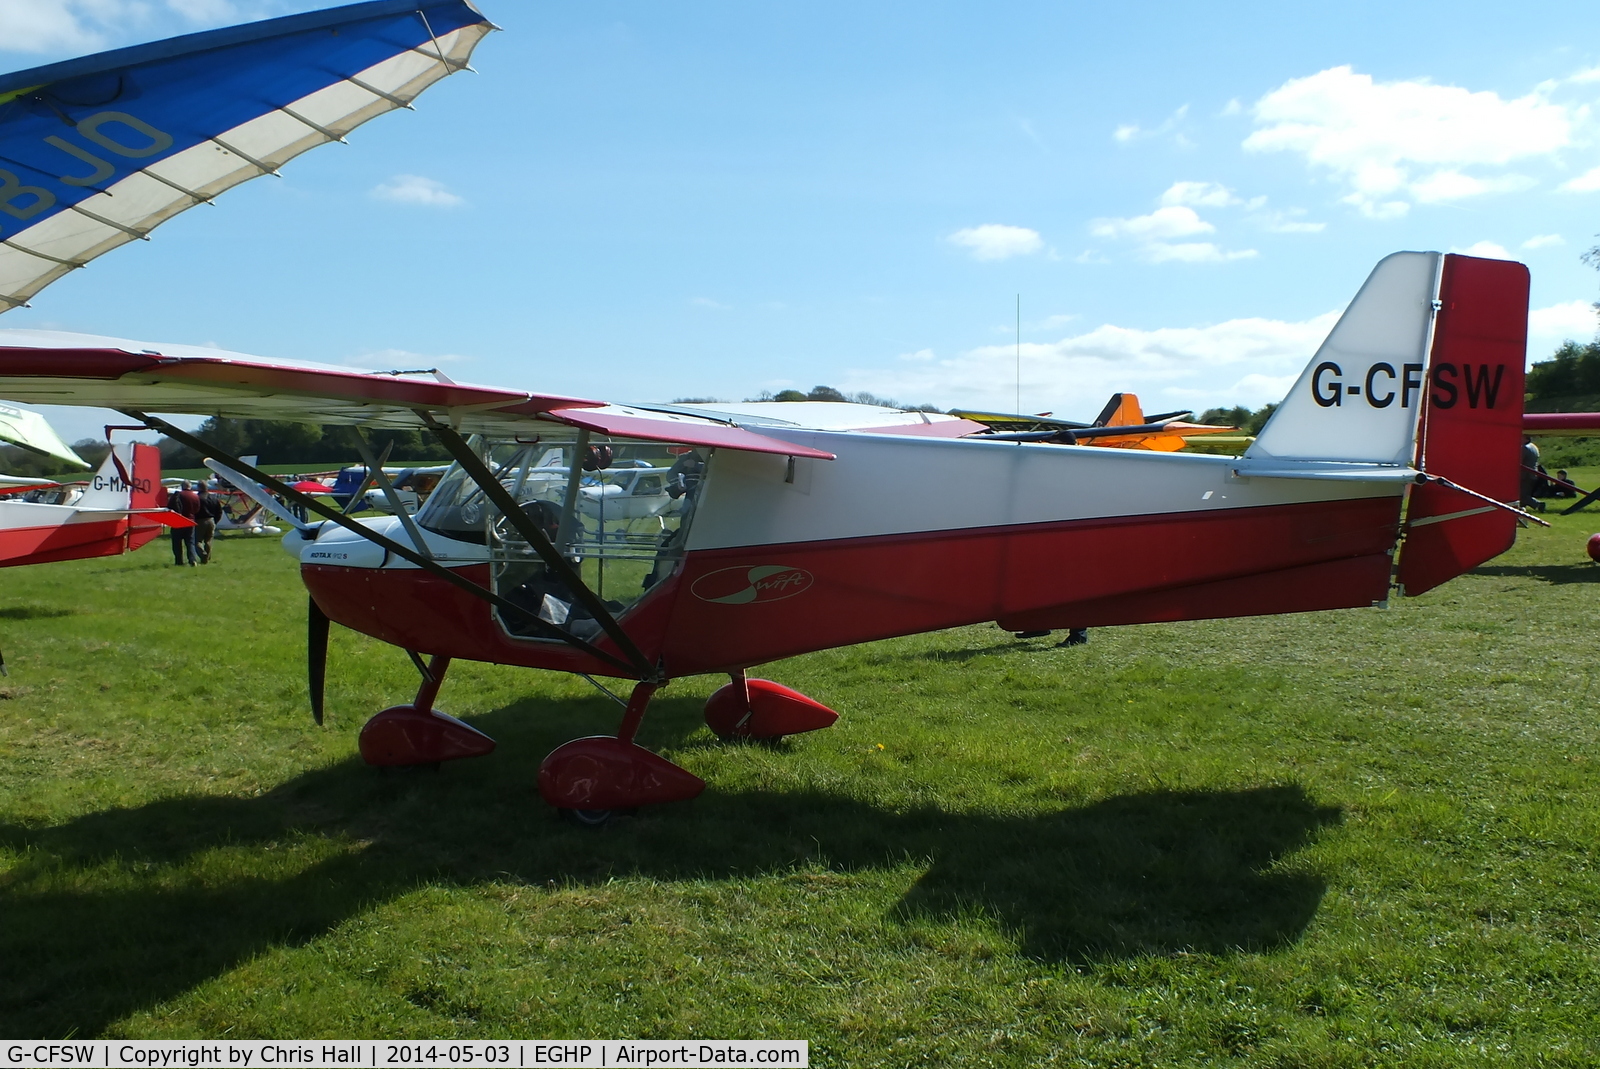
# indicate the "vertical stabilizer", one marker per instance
pixel 1472 423
pixel 108 489
pixel 1359 397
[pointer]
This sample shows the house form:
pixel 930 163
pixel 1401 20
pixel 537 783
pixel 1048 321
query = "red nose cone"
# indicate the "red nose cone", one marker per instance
pixel 1594 547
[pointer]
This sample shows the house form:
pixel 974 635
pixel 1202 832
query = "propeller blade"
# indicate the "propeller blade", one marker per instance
pixel 260 494
pixel 316 655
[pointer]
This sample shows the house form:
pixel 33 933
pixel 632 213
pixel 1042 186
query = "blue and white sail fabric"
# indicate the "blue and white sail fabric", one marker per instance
pixel 98 151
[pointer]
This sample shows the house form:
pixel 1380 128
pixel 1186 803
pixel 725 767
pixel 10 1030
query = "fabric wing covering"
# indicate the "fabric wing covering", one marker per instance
pixel 98 151
pixel 30 431
pixel 49 367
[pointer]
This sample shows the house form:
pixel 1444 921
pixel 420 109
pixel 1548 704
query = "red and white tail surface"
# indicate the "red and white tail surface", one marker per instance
pixel 1471 423
pixel 109 488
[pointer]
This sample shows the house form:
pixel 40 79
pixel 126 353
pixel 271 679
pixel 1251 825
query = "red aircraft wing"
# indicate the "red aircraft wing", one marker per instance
pixel 53 368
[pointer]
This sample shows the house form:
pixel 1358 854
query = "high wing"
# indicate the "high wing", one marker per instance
pixel 98 151
pixel 50 367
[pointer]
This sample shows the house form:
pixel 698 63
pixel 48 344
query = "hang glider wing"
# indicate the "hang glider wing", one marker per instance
pixel 98 151
pixel 31 431
pixel 48 367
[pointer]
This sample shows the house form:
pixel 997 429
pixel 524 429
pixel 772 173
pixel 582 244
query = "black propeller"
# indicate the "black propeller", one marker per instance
pixel 316 654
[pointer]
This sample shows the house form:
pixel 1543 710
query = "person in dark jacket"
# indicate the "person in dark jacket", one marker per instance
pixel 186 503
pixel 205 524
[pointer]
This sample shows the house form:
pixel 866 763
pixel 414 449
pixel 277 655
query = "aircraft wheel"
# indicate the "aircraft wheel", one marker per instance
pixel 594 818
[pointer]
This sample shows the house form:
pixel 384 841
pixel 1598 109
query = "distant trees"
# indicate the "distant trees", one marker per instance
pixel 1238 416
pixel 828 393
pixel 1573 370
pixel 282 442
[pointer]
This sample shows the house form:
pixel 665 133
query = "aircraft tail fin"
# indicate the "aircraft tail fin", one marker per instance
pixel 129 478
pixel 1358 398
pixel 146 472
pixel 109 487
pixel 1423 371
pixel 1471 423
pixel 1121 411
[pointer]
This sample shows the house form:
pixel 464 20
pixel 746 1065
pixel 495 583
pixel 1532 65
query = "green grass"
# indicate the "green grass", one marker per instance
pixel 1338 839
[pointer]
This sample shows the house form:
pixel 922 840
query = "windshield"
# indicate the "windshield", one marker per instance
pixel 617 511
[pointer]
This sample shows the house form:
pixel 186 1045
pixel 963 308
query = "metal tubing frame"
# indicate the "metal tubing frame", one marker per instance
pixel 389 493
pixel 475 468
pixel 432 567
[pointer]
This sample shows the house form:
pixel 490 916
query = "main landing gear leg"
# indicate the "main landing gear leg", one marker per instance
pixel 762 709
pixel 596 779
pixel 418 734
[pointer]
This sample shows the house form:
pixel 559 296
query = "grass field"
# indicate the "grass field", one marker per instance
pixel 1340 839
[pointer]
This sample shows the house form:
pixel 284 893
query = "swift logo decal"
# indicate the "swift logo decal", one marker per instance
pixel 745 585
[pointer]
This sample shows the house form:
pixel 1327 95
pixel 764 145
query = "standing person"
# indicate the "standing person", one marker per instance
pixel 185 503
pixel 206 522
pixel 1530 476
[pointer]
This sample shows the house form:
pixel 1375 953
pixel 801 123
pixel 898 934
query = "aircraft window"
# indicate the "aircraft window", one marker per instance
pixel 621 526
pixel 618 511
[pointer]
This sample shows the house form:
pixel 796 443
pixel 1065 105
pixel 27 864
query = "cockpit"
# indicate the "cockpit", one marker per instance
pixel 618 511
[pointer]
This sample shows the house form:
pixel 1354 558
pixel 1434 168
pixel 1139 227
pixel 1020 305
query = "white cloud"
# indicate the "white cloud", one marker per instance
pixel 1241 361
pixel 1588 182
pixel 213 11
pixel 994 241
pixel 1539 241
pixel 707 302
pixel 88 25
pixel 1133 132
pixel 1193 252
pixel 1198 194
pixel 46 26
pixel 1232 107
pixel 415 189
pixel 1395 142
pixel 1289 222
pixel 1174 221
pixel 1487 249
pixel 1453 185
pixel 1573 319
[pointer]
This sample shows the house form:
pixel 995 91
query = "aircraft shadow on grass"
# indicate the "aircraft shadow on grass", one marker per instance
pixel 96 920
pixel 1554 574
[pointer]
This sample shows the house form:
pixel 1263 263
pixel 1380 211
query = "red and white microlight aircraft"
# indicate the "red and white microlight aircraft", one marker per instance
pixel 803 526
pixel 114 512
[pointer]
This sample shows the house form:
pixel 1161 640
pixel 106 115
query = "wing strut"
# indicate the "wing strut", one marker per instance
pixel 404 552
pixel 492 488
pixel 376 468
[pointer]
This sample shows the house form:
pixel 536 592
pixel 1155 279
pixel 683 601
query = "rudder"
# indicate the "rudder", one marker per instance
pixel 1471 423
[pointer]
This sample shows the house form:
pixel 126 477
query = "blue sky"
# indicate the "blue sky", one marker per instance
pixel 646 201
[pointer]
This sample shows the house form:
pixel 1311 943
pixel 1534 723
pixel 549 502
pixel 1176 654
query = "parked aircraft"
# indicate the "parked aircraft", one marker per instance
pixel 795 537
pixel 1121 424
pixel 114 513
pixel 800 526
